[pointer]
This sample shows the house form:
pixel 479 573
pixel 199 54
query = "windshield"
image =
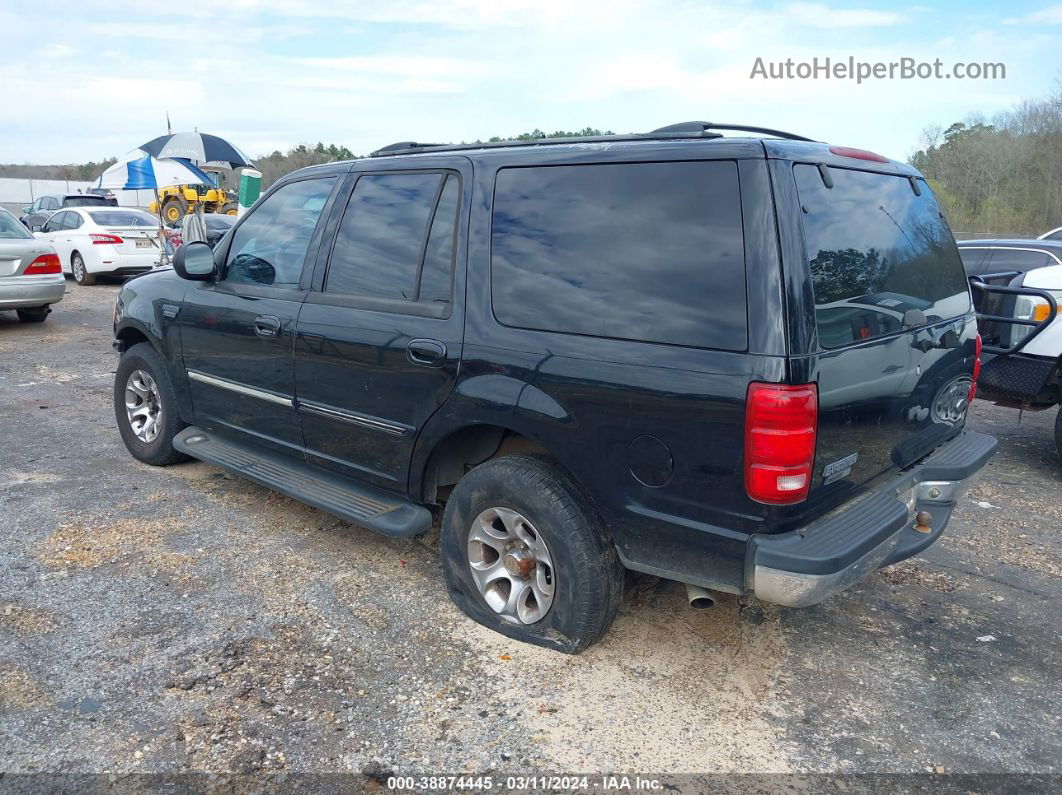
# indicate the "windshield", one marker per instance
pixel 123 218
pixel 876 251
pixel 11 228
pixel 87 200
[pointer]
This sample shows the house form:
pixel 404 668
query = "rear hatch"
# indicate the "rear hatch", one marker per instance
pixel 896 337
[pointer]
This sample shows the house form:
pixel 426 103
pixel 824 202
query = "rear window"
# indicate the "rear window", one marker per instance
pixel 11 228
pixel 87 200
pixel 122 218
pixel 642 251
pixel 876 251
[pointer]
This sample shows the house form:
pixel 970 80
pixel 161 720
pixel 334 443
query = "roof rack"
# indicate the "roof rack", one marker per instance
pixel 694 126
pixel 687 129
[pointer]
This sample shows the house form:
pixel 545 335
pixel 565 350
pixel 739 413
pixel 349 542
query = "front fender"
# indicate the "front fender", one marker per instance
pixel 149 308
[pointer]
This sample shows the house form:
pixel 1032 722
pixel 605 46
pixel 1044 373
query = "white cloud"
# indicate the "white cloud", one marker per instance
pixel 817 15
pixel 273 73
pixel 1052 15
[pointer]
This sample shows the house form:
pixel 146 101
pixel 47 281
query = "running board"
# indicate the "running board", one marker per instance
pixel 372 508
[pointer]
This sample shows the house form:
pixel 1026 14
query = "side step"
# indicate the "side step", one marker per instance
pixel 372 508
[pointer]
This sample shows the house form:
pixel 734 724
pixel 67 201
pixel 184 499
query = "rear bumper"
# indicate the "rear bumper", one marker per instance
pixel 805 566
pixel 26 292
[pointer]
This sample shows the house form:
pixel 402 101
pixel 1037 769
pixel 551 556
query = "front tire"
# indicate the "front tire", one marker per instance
pixel 525 554
pixel 145 406
pixel 37 314
pixel 80 272
pixel 174 208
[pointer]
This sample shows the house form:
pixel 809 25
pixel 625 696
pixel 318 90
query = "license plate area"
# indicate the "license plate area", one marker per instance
pixel 145 242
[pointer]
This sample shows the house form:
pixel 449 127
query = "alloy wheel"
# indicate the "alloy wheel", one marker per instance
pixel 511 565
pixel 143 406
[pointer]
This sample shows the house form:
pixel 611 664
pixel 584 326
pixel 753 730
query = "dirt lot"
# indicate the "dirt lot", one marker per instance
pixel 160 620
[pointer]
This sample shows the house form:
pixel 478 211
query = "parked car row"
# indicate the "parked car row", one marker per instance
pixel 35 215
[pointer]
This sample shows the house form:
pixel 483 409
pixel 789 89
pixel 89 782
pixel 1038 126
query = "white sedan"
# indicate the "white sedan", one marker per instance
pixel 119 241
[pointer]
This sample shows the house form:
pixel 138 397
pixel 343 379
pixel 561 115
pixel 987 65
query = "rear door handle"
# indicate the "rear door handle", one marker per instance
pixel 267 326
pixel 429 353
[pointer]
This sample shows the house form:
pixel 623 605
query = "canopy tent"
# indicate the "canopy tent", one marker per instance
pixel 141 171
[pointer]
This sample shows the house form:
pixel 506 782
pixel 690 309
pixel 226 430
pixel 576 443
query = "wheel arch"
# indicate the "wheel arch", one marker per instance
pixel 439 464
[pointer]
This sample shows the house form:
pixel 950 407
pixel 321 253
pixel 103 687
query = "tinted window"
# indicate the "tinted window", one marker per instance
pixel 1055 235
pixel 11 228
pixel 72 221
pixel 1005 259
pixel 876 250
pixel 269 247
pixel 381 238
pixel 971 259
pixel 642 251
pixel 49 203
pixel 216 222
pixel 87 200
pixel 439 257
pixel 123 218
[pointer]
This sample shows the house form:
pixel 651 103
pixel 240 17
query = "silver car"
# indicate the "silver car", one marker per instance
pixel 31 276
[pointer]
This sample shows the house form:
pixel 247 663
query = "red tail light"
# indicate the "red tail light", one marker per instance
pixel 44 264
pixel 781 423
pixel 977 367
pixel 100 240
pixel 858 154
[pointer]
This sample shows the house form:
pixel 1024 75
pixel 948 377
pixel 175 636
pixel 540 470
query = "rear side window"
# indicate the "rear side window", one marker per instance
pixel 972 258
pixel 642 251
pixel 876 251
pixel 1006 259
pixel 396 239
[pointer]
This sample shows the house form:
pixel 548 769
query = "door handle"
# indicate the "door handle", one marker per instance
pixel 266 326
pixel 429 353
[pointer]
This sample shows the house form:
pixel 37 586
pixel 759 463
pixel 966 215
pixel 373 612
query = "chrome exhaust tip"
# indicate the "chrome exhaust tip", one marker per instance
pixel 700 598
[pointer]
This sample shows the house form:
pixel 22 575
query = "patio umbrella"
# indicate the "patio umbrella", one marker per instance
pixel 140 171
pixel 199 148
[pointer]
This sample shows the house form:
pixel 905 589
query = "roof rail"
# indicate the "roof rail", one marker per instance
pixel 688 129
pixel 704 126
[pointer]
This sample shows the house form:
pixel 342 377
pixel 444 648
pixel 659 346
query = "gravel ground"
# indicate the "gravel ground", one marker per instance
pixel 167 620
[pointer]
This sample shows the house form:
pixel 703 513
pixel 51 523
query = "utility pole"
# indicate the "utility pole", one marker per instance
pixel 169 130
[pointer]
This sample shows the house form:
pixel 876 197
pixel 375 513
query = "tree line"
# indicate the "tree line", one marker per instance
pixel 273 166
pixel 999 176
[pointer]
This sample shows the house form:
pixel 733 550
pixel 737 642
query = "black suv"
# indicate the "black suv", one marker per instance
pixel 740 363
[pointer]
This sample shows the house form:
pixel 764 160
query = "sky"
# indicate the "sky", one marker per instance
pixel 86 80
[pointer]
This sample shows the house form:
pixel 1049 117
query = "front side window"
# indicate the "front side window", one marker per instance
pixel 876 250
pixel 55 223
pixel 396 240
pixel 269 247
pixel 652 252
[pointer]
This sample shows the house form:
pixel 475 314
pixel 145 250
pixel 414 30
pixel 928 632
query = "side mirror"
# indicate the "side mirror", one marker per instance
pixel 27 210
pixel 195 262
